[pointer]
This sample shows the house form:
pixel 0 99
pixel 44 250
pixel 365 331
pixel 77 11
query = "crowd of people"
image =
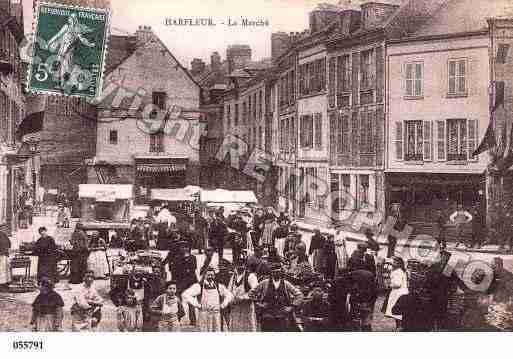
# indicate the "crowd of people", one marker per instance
pixel 276 279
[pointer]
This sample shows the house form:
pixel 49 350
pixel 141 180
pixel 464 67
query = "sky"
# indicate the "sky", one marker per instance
pixel 188 42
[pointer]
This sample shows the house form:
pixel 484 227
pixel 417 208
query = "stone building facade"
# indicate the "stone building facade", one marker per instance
pixel 148 119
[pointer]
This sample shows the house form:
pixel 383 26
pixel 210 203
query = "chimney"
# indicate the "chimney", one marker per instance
pixel 215 61
pixel 238 56
pixel 197 67
pixel 321 16
pixel 375 14
pixel 280 42
pixel 144 34
pixel 349 21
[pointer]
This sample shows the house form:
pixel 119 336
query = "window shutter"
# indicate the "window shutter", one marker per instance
pixel 302 130
pixel 363 132
pixel 353 196
pixel 333 143
pixel 372 192
pixel 310 131
pixel 322 182
pixel 318 130
pixel 356 73
pixel 428 138
pixel 472 138
pixel 399 147
pixel 440 142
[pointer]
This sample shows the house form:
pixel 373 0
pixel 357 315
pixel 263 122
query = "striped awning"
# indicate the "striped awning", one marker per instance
pixel 159 167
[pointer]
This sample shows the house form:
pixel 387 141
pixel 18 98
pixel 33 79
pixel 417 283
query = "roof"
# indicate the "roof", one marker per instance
pixel 121 47
pixel 471 16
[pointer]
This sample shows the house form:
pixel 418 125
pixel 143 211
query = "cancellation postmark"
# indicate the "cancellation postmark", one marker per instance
pixel 69 49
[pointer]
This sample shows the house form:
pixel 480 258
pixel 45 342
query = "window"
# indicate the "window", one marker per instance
pixel 318 131
pixel 366 132
pixel 312 77
pixel 366 70
pixel 236 114
pixel 332 71
pixel 291 133
pixel 344 74
pixel 343 134
pixel 311 186
pixel 414 141
pixel 113 137
pixel 157 142
pixel 341 192
pixel 306 131
pixel 260 137
pixel 457 77
pixel 159 100
pixel 414 75
pixel 457 140
pixel 363 193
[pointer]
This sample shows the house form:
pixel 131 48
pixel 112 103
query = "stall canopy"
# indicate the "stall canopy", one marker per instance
pixel 225 196
pixel 105 192
pixel 188 193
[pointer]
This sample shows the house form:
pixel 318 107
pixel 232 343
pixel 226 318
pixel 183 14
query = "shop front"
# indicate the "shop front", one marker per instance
pixel 159 172
pixel 419 195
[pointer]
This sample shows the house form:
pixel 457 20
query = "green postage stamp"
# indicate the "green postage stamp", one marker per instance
pixel 69 50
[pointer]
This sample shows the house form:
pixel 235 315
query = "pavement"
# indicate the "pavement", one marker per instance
pixel 15 308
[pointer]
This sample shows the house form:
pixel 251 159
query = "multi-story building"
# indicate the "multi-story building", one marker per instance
pixel 15 172
pixel 439 110
pixel 148 121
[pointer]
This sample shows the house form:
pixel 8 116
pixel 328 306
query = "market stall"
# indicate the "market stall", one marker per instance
pixel 106 207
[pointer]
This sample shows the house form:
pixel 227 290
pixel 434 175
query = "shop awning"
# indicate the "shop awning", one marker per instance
pixel 173 194
pixel 105 192
pixel 225 196
pixel 159 167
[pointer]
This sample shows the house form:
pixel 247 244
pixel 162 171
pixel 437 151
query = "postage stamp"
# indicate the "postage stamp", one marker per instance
pixel 69 50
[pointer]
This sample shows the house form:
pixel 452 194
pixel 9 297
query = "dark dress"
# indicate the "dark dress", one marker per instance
pixel 80 254
pixel 417 314
pixel 46 250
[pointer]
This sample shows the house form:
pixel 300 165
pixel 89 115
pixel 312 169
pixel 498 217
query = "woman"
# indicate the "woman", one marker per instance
pixel 80 253
pixel 46 251
pixel 5 273
pixel 86 308
pixel 269 226
pixel 398 286
pixel 315 250
pixel 47 313
pixel 242 309
pixel 97 261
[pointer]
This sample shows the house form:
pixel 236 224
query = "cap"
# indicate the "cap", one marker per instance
pixel 275 266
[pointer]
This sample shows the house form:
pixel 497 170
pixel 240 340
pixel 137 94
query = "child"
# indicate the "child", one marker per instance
pixel 170 309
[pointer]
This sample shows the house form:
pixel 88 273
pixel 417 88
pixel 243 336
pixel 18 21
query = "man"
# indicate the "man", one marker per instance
pixel 361 260
pixel 184 273
pixel 86 308
pixel 210 298
pixel 477 228
pixel 256 263
pixel 80 253
pixel 210 261
pixel 280 236
pixel 200 231
pixel 217 234
pixel 417 315
pixel 363 294
pixel 46 251
pixel 315 250
pixel 276 299
pixel 169 309
pixel 460 218
pixel 135 237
